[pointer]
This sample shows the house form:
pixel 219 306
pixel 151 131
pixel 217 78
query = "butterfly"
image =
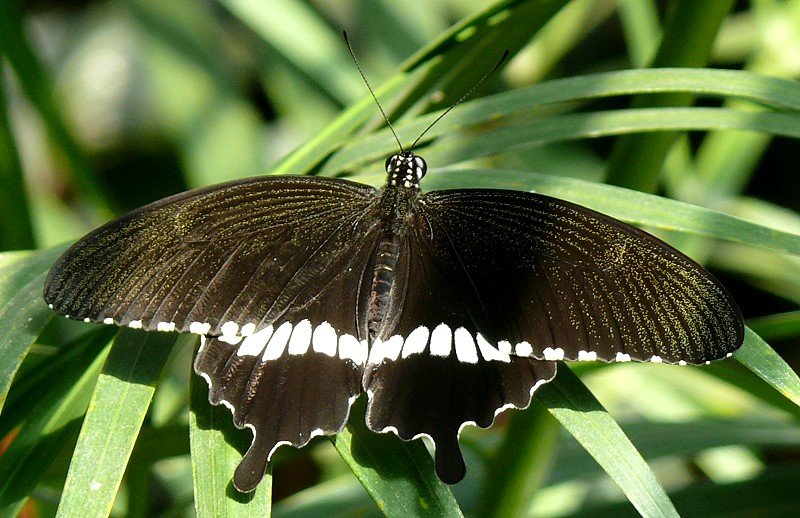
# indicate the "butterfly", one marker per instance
pixel 445 307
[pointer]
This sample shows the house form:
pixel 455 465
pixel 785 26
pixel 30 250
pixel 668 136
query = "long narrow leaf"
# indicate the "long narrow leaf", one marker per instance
pixel 217 449
pixel 585 418
pixel 116 412
pixel 50 427
pixel 398 475
pixel 22 310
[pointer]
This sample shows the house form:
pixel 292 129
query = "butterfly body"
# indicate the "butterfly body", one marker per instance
pixel 444 307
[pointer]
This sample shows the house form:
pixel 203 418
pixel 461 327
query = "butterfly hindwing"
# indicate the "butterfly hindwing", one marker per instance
pixel 560 281
pixel 430 372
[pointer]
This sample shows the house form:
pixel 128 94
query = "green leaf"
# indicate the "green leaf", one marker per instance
pixel 16 231
pixel 116 412
pixel 51 425
pixel 770 92
pixel 521 464
pixel 398 475
pixel 22 309
pixel 217 448
pixel 760 358
pixel 635 160
pixel 585 418
pixel 412 75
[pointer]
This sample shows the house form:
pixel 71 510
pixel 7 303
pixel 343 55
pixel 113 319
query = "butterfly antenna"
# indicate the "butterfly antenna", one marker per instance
pixel 353 55
pixel 463 97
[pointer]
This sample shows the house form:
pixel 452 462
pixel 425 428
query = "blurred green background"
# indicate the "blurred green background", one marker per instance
pixel 108 105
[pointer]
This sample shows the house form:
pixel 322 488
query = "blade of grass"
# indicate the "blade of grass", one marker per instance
pixel 52 423
pixel 16 230
pixel 298 33
pixel 22 310
pixel 678 439
pixel 772 92
pixel 521 463
pixel 316 149
pixel 781 326
pixel 111 426
pixel 641 28
pixel 584 417
pixel 760 358
pixel 689 33
pixel 593 125
pixel 398 475
pixel 216 448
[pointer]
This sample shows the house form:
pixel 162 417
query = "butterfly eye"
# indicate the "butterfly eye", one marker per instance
pixel 420 167
pixel 390 163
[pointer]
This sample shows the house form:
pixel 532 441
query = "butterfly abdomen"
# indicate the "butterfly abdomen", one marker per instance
pixel 386 255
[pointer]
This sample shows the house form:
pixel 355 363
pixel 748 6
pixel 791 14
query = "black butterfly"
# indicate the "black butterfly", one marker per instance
pixel 444 307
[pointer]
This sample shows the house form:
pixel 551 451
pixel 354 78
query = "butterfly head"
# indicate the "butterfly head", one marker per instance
pixel 405 170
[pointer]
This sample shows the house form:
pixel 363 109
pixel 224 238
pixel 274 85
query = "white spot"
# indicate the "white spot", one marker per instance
pixel 325 339
pixel 95 485
pixel 465 346
pixel 277 343
pixel 682 362
pixel 135 324
pixel 388 350
pixel 229 328
pixel 199 328
pixel 50 306
pixel 504 346
pixel 524 349
pixel 488 352
pixel 623 357
pixel 586 356
pixel 248 329
pixel 441 341
pixel 166 326
pixel 350 348
pixel 108 320
pixel 301 338
pixel 708 362
pixel 230 333
pixel 553 354
pixel 416 341
pixel 728 355
pixel 255 343
pixel 87 320
pixel 656 359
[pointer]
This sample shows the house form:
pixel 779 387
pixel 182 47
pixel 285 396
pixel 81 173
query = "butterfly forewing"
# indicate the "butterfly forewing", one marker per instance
pixel 560 281
pixel 245 252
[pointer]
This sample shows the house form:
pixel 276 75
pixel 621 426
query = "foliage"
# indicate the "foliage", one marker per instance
pixel 108 105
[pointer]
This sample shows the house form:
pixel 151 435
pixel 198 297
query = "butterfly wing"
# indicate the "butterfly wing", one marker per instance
pixel 556 281
pixel 493 282
pixel 265 270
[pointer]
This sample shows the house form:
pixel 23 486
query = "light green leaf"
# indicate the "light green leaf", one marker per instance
pixel 398 475
pixel 52 424
pixel 22 309
pixel 116 412
pixel 585 418
pixel 217 449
